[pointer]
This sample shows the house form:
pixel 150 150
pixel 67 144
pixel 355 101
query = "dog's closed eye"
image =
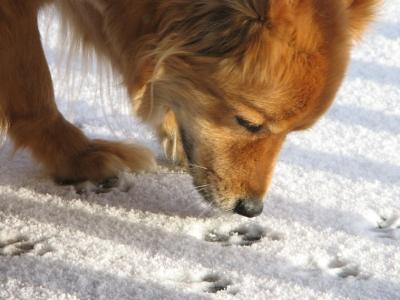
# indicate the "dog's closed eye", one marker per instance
pixel 253 128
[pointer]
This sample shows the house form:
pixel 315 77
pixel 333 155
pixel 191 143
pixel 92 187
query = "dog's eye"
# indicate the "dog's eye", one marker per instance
pixel 254 128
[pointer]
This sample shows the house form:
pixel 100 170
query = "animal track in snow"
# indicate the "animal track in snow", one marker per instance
pixel 343 268
pixel 340 267
pixel 213 283
pixel 204 282
pixel 244 235
pixel 388 227
pixel 17 244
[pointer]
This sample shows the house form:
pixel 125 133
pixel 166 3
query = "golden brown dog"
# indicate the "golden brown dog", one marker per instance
pixel 222 81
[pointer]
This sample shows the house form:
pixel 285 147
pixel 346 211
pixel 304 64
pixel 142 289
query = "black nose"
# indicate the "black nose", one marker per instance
pixel 249 207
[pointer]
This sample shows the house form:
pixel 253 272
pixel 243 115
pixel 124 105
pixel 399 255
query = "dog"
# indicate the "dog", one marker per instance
pixel 222 82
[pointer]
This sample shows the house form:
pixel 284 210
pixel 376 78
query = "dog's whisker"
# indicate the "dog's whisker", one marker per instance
pixel 197 166
pixel 171 173
pixel 201 186
pixel 204 211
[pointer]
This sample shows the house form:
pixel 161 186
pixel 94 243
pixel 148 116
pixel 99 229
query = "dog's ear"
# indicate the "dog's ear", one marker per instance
pixel 232 26
pixel 361 13
pixel 214 27
pixel 222 28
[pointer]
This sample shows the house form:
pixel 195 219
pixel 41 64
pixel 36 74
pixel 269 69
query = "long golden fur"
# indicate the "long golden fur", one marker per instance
pixel 222 81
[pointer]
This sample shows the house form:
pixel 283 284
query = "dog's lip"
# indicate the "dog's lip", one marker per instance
pixel 207 191
pixel 209 197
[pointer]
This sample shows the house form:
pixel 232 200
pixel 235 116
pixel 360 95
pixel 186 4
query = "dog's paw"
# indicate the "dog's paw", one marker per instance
pixel 12 244
pixel 102 162
pixel 99 188
pixel 244 235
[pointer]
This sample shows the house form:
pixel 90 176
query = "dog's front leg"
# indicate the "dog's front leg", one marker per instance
pixel 28 109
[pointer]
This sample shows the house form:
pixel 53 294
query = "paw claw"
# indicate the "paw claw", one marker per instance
pixel 109 183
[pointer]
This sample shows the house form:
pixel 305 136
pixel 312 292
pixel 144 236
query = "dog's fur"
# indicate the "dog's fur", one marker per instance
pixel 222 81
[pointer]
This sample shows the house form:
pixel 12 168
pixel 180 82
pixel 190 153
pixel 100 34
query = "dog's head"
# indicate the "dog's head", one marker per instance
pixel 240 75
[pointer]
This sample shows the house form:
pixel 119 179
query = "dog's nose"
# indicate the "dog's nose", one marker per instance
pixel 249 207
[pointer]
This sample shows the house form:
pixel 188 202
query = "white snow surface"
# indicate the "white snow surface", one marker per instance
pixel 330 228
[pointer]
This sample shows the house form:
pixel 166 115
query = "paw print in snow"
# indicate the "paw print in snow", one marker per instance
pixel 342 268
pixel 214 283
pixel 244 235
pixel 388 228
pixel 339 267
pixel 200 282
pixel 16 245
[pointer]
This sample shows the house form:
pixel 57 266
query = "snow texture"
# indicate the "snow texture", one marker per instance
pixel 330 229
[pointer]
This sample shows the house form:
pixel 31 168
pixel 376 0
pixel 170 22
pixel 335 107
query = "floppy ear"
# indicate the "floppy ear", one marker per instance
pixel 213 27
pixel 361 13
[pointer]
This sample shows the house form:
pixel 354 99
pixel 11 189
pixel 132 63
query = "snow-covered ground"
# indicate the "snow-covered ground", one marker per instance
pixel 330 229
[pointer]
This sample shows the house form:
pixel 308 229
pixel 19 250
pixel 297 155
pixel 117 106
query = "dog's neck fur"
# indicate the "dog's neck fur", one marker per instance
pixel 114 30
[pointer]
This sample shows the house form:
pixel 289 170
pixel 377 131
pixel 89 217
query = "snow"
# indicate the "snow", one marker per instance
pixel 330 228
